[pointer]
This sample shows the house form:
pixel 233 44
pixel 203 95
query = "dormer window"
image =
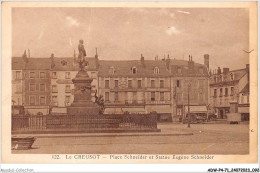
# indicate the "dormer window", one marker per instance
pixel 220 78
pixel 231 76
pixel 63 62
pixel 179 70
pixel 200 70
pixel 134 70
pixel 112 70
pixel 156 70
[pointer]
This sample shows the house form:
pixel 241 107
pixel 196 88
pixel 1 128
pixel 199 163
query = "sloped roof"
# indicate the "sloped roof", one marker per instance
pixel 176 64
pixel 69 64
pixel 124 68
pixel 245 89
pixel 46 64
pixel 18 63
pixel 237 74
pixel 38 64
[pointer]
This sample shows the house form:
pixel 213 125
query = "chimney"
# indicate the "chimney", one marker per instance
pixel 52 60
pixel 219 71
pixel 248 71
pixel 206 60
pixel 25 59
pixel 96 56
pixel 29 53
pixel 142 60
pixel 191 65
pixel 168 60
pixel 225 70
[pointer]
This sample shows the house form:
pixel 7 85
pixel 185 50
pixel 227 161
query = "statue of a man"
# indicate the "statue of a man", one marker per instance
pixel 82 55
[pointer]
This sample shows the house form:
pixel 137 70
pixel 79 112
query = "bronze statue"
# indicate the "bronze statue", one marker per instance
pixel 82 54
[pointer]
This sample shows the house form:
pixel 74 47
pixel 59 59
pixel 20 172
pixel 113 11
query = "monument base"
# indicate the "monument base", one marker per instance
pixel 83 108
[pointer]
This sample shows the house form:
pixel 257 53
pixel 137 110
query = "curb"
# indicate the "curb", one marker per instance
pixel 109 135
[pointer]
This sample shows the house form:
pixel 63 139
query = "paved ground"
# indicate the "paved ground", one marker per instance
pixel 206 139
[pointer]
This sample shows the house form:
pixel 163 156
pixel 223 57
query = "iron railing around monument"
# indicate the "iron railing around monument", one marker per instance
pixel 64 121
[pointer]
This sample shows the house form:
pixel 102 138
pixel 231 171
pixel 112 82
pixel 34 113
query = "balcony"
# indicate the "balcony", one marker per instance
pixel 54 90
pixel 67 103
pixel 54 103
pixel 126 103
pixel 159 102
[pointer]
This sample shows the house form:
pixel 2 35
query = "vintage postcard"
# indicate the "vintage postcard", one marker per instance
pixel 129 82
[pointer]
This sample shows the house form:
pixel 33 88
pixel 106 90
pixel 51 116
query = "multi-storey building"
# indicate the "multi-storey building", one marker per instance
pixel 188 77
pixel 138 86
pixel 63 70
pixel 229 86
pixel 37 85
pixel 18 85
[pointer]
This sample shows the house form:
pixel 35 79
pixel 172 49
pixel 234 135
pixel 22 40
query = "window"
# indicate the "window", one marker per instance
pixel 129 83
pixel 161 83
pixel 178 83
pixel 42 87
pixel 106 96
pixel 32 74
pixel 116 83
pixel 54 88
pixel 231 76
pixel 226 92
pixel 67 89
pixel 220 92
pixel 54 99
pixel 112 70
pixel 242 99
pixel 134 70
pixel 156 70
pixel 32 100
pixel 220 78
pixel 232 91
pixel 215 92
pixel 152 83
pixel 161 96
pixel 42 100
pixel 18 75
pixel 42 74
pixel 139 83
pixel 54 75
pixel 67 75
pixel 215 79
pixel 32 87
pixel 179 70
pixel 67 99
pixel 116 96
pixel 200 70
pixel 106 83
pixel 152 96
pixel 93 74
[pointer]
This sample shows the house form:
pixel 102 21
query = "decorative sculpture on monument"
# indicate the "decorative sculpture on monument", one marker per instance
pixel 82 55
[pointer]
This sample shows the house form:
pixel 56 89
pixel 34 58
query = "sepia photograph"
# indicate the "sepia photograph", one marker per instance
pixel 128 82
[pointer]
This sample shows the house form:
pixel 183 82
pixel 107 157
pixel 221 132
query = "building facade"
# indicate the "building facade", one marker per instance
pixel 138 86
pixel 189 86
pixel 37 86
pixel 228 86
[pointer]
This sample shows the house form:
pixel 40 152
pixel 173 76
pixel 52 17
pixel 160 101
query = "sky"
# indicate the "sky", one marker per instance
pixel 126 33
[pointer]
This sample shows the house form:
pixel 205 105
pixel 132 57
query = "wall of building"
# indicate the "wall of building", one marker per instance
pixel 63 96
pixel 17 87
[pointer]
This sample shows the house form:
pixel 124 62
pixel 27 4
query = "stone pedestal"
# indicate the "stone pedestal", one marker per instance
pixel 82 104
